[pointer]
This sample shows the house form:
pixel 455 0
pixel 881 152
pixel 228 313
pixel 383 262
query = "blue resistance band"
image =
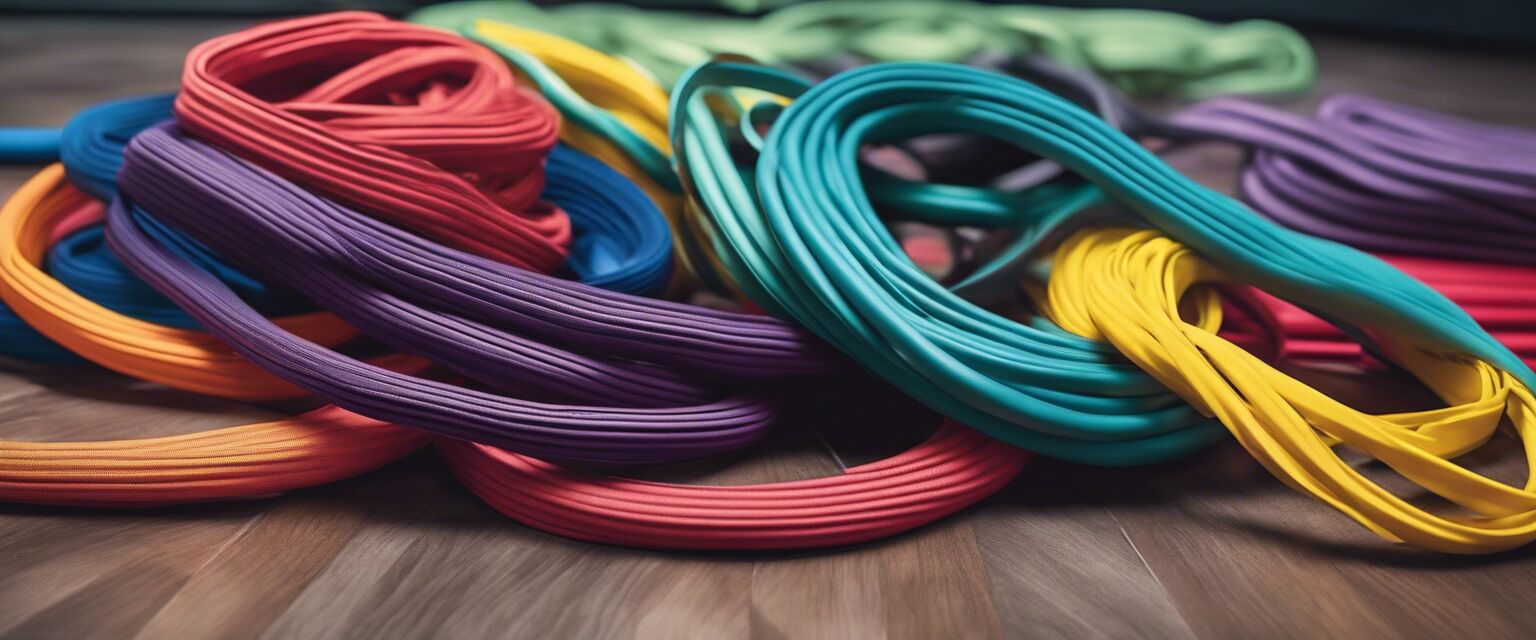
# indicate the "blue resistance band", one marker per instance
pixel 28 145
pixel 622 242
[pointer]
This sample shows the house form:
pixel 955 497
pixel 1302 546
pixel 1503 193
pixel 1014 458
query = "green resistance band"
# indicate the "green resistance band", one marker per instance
pixel 1141 52
pixel 794 223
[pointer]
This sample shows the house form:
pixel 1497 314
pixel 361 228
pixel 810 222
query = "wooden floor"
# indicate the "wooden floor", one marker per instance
pixel 1211 547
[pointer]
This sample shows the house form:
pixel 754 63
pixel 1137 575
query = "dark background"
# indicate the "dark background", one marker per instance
pixel 1501 23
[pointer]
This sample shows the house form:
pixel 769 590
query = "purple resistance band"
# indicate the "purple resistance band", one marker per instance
pixel 645 370
pixel 1383 176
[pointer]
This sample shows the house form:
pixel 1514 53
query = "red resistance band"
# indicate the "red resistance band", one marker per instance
pixel 412 124
pixel 945 473
pixel 1498 296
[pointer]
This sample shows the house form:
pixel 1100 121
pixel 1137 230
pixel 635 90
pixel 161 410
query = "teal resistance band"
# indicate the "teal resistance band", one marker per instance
pixel 795 225
pixel 1040 206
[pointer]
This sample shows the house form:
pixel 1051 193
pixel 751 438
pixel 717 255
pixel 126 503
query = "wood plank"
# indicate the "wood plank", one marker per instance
pixel 88 573
pixel 923 584
pixel 1052 563
pixel 1241 554
pixel 1061 565
pixel 258 573
pixel 437 561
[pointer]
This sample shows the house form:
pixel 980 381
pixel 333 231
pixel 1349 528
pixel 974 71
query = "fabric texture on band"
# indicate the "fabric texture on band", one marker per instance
pixel 947 472
pixel 810 247
pixel 1134 289
pixel 91 146
pixel 1383 176
pixel 180 358
pixel 610 351
pixel 1442 198
pixel 1142 52
pixel 91 150
pixel 614 249
pixel 625 126
pixel 409 123
pixel 615 113
pixel 252 460
pixel 314 448
pixel 1497 296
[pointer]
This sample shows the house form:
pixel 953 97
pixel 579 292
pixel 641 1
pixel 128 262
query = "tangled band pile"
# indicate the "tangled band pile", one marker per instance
pixel 486 228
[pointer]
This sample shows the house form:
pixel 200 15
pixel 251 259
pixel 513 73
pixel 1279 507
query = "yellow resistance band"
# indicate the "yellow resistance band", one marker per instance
pixel 1134 288
pixel 585 81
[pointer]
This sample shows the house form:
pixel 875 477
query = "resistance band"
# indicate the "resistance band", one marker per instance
pixel 1497 296
pixel 1385 177
pixel 625 124
pixel 43 212
pixel 617 246
pixel 316 447
pixel 1134 289
pixel 800 236
pixel 92 151
pixel 1442 198
pixel 28 145
pixel 1386 140
pixel 1143 52
pixel 953 469
pixel 638 367
pixel 946 473
pixel 420 127
pixel 181 358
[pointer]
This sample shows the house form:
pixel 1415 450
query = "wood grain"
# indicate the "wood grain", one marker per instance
pixel 1211 547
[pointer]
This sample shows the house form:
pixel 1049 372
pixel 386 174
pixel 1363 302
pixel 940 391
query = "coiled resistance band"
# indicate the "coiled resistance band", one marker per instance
pixel 947 472
pixel 196 363
pixel 317 447
pixel 635 363
pixel 91 146
pixel 420 127
pixel 1439 197
pixel 1131 287
pixel 626 120
pixel 91 150
pixel 1385 177
pixel 615 247
pixel 180 358
pixel 1493 294
pixel 1143 52
pixel 800 236
pixel 1496 295
pixel 953 469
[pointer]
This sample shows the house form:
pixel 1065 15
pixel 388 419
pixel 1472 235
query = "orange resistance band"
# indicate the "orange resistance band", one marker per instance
pixel 324 445
pixel 321 446
pixel 180 358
